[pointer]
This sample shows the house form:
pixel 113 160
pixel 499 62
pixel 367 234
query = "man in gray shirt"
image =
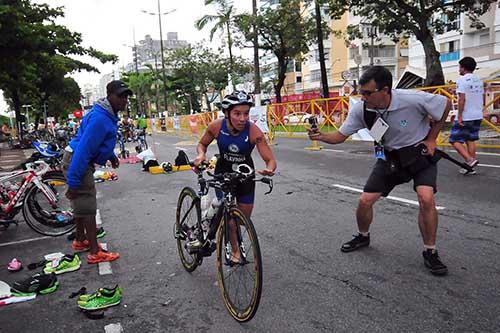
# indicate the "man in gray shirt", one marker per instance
pixel 402 123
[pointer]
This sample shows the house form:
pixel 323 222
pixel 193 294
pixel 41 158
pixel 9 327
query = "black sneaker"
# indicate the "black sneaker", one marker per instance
pixel 36 284
pixel 433 263
pixel 357 242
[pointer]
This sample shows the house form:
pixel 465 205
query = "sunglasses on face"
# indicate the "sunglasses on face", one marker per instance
pixel 368 93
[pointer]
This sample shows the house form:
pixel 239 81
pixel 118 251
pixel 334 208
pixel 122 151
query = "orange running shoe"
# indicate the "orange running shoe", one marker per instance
pixel 82 246
pixel 102 256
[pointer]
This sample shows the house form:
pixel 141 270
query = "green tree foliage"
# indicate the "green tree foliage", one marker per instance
pixel 197 71
pixel 223 21
pixel 65 100
pixel 35 53
pixel 283 31
pixel 423 19
pixel 142 85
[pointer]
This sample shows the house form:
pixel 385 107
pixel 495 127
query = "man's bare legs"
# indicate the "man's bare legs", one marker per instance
pixel 80 229
pixel 427 215
pixel 91 231
pixel 459 147
pixel 471 149
pixel 364 212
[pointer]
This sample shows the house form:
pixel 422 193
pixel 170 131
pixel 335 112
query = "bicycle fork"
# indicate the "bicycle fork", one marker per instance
pixel 47 192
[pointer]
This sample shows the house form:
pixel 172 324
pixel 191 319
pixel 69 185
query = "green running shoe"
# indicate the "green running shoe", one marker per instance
pixel 68 263
pixel 106 291
pixel 101 233
pixel 103 298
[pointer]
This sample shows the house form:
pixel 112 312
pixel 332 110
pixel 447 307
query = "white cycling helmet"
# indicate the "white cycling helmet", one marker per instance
pixel 237 97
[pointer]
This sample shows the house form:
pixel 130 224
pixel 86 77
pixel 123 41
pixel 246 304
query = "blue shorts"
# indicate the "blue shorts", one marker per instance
pixel 468 132
pixel 245 193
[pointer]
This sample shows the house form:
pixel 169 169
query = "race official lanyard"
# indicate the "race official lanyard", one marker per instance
pixel 380 115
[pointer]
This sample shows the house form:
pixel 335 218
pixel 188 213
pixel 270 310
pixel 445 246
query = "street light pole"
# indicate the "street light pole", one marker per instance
pixel 161 50
pixel 162 60
pixel 136 67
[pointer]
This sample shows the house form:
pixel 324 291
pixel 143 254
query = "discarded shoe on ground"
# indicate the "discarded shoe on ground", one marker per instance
pixel 36 284
pixel 103 298
pixel 14 265
pixel 68 263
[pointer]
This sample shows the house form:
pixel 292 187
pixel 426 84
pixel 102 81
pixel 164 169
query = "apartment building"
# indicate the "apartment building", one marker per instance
pixel 460 40
pixel 343 60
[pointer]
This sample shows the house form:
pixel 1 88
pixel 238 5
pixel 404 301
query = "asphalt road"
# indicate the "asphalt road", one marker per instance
pixel 309 285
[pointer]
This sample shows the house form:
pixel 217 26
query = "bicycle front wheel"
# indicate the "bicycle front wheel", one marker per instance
pixel 41 215
pixel 240 281
pixel 187 220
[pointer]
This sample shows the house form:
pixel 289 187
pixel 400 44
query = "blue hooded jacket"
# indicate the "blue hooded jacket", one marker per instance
pixel 94 142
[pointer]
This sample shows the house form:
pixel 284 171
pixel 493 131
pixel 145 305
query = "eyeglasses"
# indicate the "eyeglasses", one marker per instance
pixel 368 93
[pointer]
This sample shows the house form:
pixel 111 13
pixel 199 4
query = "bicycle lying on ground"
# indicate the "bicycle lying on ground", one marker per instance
pixel 240 281
pixel 39 193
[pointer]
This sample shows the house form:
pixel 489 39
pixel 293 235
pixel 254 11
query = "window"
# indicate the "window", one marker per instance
pixel 369 30
pixel 298 79
pixel 384 51
pixel 353 51
pixel 451 24
pixel 450 51
pixel 315 75
pixel 381 51
pixel 484 39
pixel 449 47
pixel 298 66
pixel 315 55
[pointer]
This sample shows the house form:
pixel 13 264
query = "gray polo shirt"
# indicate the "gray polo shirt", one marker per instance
pixel 407 117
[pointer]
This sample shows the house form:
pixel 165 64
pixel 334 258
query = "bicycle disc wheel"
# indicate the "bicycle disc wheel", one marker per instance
pixel 240 283
pixel 41 216
pixel 187 219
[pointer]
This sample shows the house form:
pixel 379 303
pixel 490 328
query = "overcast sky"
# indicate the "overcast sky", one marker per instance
pixel 109 24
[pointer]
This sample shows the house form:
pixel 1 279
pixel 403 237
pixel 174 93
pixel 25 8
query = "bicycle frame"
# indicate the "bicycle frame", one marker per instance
pixel 32 177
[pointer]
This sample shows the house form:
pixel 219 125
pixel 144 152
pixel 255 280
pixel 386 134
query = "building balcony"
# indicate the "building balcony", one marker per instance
pixel 450 56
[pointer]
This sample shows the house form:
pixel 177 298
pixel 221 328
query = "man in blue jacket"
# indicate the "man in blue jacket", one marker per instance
pixel 94 143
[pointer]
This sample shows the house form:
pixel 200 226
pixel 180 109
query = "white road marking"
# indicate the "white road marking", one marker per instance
pixel 25 241
pixel 407 201
pixel 98 218
pixel 113 328
pixel 477 153
pixel 105 267
pixel 489 165
pixel 334 150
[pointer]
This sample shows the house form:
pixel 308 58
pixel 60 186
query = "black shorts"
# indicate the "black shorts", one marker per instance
pixel 381 181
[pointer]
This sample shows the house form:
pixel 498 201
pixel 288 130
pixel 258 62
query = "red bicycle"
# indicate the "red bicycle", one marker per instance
pixel 39 194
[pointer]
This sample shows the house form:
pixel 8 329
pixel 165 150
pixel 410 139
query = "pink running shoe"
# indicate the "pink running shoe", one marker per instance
pixel 14 265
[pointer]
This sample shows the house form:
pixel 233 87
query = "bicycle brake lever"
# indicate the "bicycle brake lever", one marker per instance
pixel 269 182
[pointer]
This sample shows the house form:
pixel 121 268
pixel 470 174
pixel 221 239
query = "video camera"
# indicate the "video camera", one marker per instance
pixel 313 121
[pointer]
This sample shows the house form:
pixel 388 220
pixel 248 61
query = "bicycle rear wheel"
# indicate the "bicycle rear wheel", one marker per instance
pixel 240 283
pixel 187 220
pixel 41 216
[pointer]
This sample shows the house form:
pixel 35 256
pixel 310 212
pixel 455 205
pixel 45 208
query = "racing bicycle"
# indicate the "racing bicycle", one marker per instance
pixel 240 281
pixel 39 194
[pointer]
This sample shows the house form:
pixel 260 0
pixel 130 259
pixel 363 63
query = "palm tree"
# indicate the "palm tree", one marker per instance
pixel 223 21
